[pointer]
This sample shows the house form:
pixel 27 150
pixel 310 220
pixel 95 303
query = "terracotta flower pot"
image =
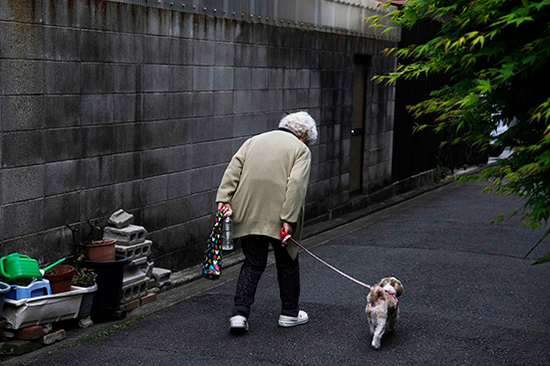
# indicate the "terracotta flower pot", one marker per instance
pixel 101 250
pixel 60 277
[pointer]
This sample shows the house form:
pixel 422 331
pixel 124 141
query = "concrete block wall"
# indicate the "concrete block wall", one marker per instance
pixel 105 105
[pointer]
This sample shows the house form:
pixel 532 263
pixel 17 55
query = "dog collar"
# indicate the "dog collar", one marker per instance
pixel 394 297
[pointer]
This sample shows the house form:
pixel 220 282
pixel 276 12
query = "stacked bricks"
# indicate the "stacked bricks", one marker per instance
pixel 131 242
pixel 28 339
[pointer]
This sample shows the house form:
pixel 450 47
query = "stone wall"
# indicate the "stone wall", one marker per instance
pixel 106 105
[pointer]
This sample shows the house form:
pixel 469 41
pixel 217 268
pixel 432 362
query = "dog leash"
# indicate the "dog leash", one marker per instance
pixel 285 237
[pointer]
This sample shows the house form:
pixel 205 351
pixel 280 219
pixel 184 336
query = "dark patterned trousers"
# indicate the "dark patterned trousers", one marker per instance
pixel 255 249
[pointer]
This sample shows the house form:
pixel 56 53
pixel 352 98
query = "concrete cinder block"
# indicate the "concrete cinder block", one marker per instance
pixel 134 290
pixel 97 109
pixel 223 78
pixel 22 148
pixel 97 78
pixel 121 219
pixel 130 48
pixel 136 251
pixel 203 78
pixel 127 167
pixel 128 194
pixel 97 46
pixel 161 277
pixel 156 134
pixel 98 171
pixel 181 51
pixel 64 176
pixel 179 185
pixel 154 162
pixel 155 78
pixel 126 137
pixel 223 103
pixel 260 56
pixel 201 180
pixel 203 104
pixel 127 78
pixel 97 140
pixel 203 53
pixel 129 235
pixel 225 53
pixel 54 336
pixel 63 144
pixel 22 113
pixel 22 183
pixel 62 78
pixel 127 107
pixel 202 154
pixel 242 78
pixel 242 103
pixel 61 44
pixel 181 105
pixel 61 209
pixel 22 77
pixel 181 78
pixel 156 50
pixel 154 189
pixel 156 106
pixel 23 218
pixel 61 111
pixel 259 78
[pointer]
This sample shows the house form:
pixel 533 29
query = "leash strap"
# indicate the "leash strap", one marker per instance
pixel 288 237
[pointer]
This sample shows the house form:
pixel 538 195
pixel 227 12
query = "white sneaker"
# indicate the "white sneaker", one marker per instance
pixel 291 321
pixel 238 324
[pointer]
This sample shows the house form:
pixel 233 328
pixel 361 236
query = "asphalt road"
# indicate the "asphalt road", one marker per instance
pixel 470 299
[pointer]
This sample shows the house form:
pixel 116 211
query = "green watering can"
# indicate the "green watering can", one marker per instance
pixel 20 269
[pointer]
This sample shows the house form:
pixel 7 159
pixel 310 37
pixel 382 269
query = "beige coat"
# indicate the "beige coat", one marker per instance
pixel 266 183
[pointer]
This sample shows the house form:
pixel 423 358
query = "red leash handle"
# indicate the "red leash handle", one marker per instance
pixel 285 237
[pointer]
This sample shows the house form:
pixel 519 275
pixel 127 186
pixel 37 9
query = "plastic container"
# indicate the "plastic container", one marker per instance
pixel 109 279
pixel 19 269
pixel 101 250
pixel 44 309
pixel 87 301
pixel 60 277
pixel 34 289
pixel 227 242
pixel 4 289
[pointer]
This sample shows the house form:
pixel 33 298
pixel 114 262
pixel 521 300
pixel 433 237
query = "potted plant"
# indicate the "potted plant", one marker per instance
pixel 95 248
pixel 60 277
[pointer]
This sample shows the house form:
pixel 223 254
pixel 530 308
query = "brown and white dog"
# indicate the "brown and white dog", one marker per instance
pixel 383 308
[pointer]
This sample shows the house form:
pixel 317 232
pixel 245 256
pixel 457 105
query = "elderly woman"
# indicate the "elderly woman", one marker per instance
pixel 263 189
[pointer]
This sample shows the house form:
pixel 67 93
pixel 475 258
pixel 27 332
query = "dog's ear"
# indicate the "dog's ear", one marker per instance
pixel 397 285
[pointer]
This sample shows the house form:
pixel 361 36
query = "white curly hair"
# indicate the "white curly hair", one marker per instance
pixel 301 123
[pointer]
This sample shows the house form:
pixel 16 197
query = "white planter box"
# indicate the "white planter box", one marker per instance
pixel 44 309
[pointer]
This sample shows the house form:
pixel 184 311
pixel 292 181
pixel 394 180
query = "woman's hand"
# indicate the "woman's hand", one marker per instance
pixel 225 208
pixel 287 227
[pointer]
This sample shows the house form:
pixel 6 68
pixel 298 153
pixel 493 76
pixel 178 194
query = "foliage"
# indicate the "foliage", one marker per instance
pixel 496 55
pixel 84 277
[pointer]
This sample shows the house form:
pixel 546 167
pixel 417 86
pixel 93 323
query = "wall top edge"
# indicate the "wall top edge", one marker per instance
pixel 333 16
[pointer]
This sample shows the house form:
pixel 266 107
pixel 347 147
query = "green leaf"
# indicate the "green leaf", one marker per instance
pixel 544 259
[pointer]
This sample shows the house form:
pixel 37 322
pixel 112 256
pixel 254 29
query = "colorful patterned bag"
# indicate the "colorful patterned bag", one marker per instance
pixel 212 265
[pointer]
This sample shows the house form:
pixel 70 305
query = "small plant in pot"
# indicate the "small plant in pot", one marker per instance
pixel 84 277
pixel 95 248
